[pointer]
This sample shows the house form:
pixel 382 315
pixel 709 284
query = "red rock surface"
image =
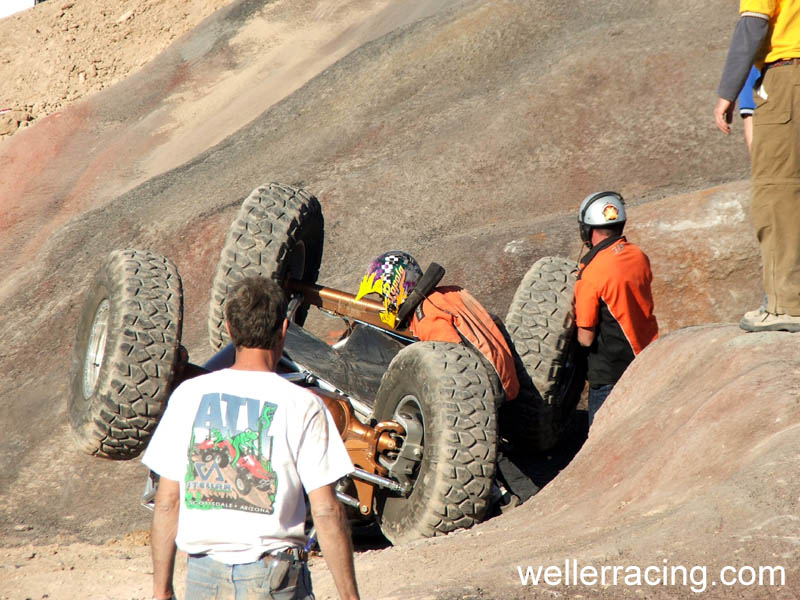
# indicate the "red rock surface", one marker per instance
pixel 468 133
pixel 704 254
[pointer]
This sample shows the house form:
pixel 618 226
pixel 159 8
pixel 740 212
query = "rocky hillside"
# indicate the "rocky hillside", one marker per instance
pixel 60 51
pixel 442 128
pixel 464 131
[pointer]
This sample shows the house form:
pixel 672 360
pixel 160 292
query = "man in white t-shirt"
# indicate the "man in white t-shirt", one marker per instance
pixel 234 450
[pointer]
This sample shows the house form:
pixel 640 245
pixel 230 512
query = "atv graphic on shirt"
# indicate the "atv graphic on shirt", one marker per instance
pixel 230 466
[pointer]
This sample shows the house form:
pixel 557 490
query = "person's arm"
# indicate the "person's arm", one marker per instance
pixel 586 307
pixel 162 536
pixel 747 105
pixel 748 131
pixel 333 534
pixel 585 336
pixel 750 33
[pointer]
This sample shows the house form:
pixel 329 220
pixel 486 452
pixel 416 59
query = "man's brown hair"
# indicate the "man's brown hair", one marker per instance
pixel 255 310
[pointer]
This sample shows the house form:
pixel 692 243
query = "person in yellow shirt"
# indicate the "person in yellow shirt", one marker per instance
pixel 768 36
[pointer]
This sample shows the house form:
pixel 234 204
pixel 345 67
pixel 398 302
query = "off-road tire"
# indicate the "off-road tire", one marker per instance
pixel 278 232
pixel 541 326
pixel 452 483
pixel 120 383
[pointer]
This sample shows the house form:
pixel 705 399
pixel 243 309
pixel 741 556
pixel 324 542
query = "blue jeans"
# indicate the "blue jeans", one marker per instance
pixel 207 579
pixel 597 395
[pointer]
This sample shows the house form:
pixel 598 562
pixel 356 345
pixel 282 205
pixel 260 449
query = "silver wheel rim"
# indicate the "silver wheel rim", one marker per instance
pixel 96 348
pixel 409 414
pixel 409 408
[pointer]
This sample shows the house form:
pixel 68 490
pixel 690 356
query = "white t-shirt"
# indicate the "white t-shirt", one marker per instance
pixel 242 445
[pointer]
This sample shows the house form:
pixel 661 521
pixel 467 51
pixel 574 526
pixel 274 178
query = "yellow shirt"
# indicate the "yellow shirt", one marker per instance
pixel 784 27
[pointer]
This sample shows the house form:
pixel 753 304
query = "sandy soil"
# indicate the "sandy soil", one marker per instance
pixel 81 47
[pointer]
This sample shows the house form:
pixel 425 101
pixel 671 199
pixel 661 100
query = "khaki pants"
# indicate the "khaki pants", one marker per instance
pixel 775 172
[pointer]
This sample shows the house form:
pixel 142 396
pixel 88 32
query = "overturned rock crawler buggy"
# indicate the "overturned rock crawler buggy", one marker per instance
pixel 419 419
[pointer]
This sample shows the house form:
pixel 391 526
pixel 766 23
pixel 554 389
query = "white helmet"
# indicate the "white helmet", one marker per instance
pixel 602 209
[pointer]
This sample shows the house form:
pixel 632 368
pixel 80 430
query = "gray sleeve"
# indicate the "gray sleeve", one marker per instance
pixel 749 35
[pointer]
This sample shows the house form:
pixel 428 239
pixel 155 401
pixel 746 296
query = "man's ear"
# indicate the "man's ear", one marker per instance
pixel 227 328
pixel 278 346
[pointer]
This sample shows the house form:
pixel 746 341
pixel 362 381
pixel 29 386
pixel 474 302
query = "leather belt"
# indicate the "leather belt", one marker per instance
pixel 290 555
pixel 293 554
pixel 783 63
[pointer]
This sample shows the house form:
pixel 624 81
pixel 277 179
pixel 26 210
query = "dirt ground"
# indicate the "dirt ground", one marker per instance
pixel 468 130
pixel 59 52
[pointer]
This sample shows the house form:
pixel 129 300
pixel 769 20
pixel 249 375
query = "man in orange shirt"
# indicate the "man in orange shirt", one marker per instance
pixel 613 299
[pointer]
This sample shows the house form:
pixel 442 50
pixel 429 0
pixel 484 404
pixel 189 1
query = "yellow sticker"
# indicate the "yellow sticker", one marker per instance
pixel 369 286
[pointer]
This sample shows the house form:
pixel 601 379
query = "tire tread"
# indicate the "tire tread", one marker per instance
pixel 145 327
pixel 465 420
pixel 256 245
pixel 541 326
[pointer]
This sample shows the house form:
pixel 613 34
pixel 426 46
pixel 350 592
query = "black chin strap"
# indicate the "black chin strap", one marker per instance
pixel 609 241
pixel 580 252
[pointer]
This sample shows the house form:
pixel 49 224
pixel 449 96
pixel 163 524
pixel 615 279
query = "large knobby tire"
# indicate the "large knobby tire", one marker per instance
pixel 446 388
pixel 278 232
pixel 126 352
pixel 541 326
